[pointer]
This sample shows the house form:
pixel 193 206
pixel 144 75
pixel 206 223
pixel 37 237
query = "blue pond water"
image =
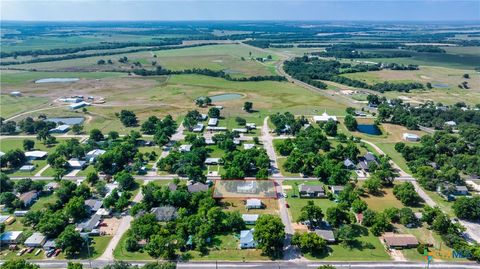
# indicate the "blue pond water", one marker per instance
pixel 370 129
pixel 225 97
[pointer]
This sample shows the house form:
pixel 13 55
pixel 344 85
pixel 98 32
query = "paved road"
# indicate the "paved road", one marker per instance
pixel 270 265
pixel 267 140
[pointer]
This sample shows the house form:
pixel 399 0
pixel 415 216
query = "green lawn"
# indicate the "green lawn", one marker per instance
pixel 296 204
pixel 444 205
pixel 41 203
pixel 122 254
pixel 97 247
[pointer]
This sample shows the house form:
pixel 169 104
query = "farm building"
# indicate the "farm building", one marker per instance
pixel 311 191
pixel 36 240
pixel 78 105
pixel 411 137
pixel 15 94
pixel 246 239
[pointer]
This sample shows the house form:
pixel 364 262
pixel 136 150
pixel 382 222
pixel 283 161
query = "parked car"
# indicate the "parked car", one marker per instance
pixel 21 252
pixel 50 252
pixel 38 251
pixel 30 250
pixel 287 205
pixel 55 254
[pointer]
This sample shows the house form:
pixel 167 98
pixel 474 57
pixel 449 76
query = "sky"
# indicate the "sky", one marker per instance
pixel 344 10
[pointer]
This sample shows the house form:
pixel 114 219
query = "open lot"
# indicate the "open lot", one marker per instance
pixel 237 204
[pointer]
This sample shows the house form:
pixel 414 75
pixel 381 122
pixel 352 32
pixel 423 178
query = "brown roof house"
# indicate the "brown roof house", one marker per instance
pixel 28 197
pixel 400 241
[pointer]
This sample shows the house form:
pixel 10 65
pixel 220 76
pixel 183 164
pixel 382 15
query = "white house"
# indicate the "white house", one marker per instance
pixel 240 130
pixel 75 163
pixel 35 241
pixel 78 105
pixel 253 203
pixel 93 154
pixel 209 141
pixel 185 148
pixel 411 137
pixel 212 122
pixel 250 218
pixel 451 123
pixel 248 146
pixel 246 239
pixel 212 161
pixel 324 117
pixel 198 128
pixel 35 154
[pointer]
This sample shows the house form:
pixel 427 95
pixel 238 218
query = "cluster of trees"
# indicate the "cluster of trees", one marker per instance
pixel 191 119
pixel 206 72
pixel 7 127
pixel 13 158
pixel 312 69
pixel 128 118
pixel 287 124
pixel 467 208
pixel 188 164
pixel 162 129
pixel 9 188
pixel 440 158
pixel 428 114
pixel 406 193
pixel 241 163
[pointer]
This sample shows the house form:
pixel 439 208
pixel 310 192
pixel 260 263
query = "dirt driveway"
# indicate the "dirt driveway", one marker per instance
pixel 112 226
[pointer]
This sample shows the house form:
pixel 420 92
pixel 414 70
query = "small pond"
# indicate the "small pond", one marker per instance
pixel 440 85
pixel 225 97
pixel 370 129
pixel 68 121
pixel 56 80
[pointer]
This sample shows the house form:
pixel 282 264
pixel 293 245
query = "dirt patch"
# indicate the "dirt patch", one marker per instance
pixel 111 226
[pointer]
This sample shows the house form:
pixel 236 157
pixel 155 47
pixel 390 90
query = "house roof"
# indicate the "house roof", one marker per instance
pixel 248 146
pixel 74 162
pixel 212 121
pixel 369 157
pixel 461 188
pixel 326 234
pixel 95 152
pixel 411 136
pixel 185 147
pixel 27 167
pixel 61 128
pixel 198 127
pixel 212 160
pixel 10 235
pixel 209 141
pixel 400 240
pixel 250 217
pixel 164 213
pixel 311 188
pixel 27 196
pixel 348 163
pixel 52 185
pixel 240 130
pixel 50 244
pixel 35 238
pixel 93 204
pixel 35 154
pixel 172 186
pixel 246 236
pixel 337 188
pixel 254 202
pixel 90 224
pixel 197 187
pixel 324 117
pixel 103 212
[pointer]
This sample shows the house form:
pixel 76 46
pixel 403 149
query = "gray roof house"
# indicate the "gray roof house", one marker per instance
pixel 35 241
pixel 461 190
pixel 28 197
pixel 326 234
pixel 250 218
pixel 197 187
pixel 50 244
pixel 253 203
pixel 93 205
pixel 246 239
pixel 311 191
pixel 348 164
pixel 89 224
pixel 164 213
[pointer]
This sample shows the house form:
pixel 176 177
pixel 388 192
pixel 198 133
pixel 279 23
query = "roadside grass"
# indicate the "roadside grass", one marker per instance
pixel 368 248
pixel 443 204
pixel 385 200
pixel 121 253
pixel 97 247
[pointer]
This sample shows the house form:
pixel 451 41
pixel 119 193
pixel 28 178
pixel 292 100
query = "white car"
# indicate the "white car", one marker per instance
pixel 285 194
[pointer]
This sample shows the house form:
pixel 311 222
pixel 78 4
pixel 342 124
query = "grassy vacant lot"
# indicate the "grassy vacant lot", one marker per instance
pixel 383 201
pixel 297 203
pixel 444 205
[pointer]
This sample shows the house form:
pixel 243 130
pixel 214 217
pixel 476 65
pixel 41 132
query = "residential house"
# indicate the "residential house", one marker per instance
pixel 400 241
pixel 349 164
pixel 20 213
pixel 75 163
pixel 250 219
pixel 253 204
pixel 240 130
pixel 198 128
pixel 11 237
pixel 324 117
pixel 326 234
pixel 216 128
pixel 461 190
pixel 93 205
pixel 411 137
pixel 60 129
pixel 164 213
pixel 92 155
pixel 311 191
pixel 366 160
pixel 450 123
pixel 248 146
pixel 36 240
pixel 246 239
pixel 336 189
pixel 251 126
pixel 36 155
pixel 89 224
pixel 213 161
pixel 28 197
pixel 197 187
pixel 209 141
pixel 212 122
pixel 185 148
pixel 27 168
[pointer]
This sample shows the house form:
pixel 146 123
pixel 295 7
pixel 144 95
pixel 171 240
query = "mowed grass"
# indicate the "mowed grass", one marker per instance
pixel 296 203
pixel 11 106
pixel 18 77
pixel 237 204
pixel 383 201
pixel 120 252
